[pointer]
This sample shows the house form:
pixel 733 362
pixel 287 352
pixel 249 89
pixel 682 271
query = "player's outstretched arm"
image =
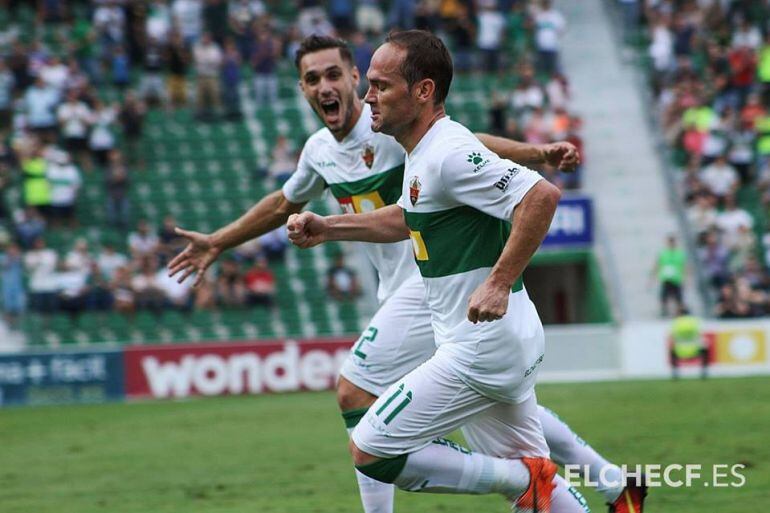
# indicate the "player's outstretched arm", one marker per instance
pixel 268 214
pixel 383 225
pixel 563 155
pixel 530 222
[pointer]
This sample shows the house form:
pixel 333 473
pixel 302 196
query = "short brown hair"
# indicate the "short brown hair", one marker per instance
pixel 315 43
pixel 426 57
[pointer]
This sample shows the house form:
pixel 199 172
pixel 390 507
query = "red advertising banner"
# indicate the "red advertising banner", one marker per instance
pixel 209 369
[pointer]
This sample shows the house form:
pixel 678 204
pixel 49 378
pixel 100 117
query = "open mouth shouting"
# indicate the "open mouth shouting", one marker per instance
pixel 331 110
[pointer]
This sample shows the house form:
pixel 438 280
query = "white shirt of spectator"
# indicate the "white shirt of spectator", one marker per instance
pixel 142 245
pixel 102 137
pixel 71 283
pixel 55 76
pixel 40 104
pixel 74 118
pixel 529 98
pixel 491 25
pixel 187 14
pixel 549 25
pixel 175 291
pixel 702 217
pixel 109 262
pixel 41 265
pixel 662 47
pixel 751 38
pixel 557 94
pixel 208 59
pixel 719 179
pixel 730 221
pixel 111 20
pixel 65 182
pixel 158 22
pixel 142 282
pixel 78 261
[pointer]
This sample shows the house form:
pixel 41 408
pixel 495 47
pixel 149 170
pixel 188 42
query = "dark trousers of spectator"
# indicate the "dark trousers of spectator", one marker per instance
pixel 231 101
pixel 547 62
pixel 99 298
pixel 152 299
pixel 207 96
pixel 259 300
pixel 118 212
pixel 703 356
pixel 668 291
pixel 491 57
pixel 72 305
pixel 44 302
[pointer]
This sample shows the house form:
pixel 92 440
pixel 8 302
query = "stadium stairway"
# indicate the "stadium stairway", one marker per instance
pixel 634 211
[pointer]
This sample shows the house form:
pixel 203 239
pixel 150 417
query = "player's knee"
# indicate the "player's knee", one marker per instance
pixel 350 397
pixel 381 469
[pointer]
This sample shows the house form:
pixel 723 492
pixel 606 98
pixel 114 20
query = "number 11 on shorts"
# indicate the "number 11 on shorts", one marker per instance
pixel 407 398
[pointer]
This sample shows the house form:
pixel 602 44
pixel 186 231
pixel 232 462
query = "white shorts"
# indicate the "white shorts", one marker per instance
pixel 432 401
pixel 397 340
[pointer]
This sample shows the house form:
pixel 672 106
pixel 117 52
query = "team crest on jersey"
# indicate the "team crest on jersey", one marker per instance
pixel 414 190
pixel 368 155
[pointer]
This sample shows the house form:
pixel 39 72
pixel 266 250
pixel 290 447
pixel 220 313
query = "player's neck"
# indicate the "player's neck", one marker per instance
pixel 358 109
pixel 417 130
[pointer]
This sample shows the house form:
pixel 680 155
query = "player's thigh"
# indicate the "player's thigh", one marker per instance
pixel 428 403
pixel 508 431
pixel 397 340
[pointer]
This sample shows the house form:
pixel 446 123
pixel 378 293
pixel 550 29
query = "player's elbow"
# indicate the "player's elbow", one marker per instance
pixel 544 194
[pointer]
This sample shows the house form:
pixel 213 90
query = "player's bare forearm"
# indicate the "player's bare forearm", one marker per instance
pixel 530 223
pixel 383 225
pixel 562 154
pixel 523 153
pixel 268 214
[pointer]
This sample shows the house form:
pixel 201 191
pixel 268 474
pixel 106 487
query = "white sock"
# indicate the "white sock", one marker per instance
pixel 444 467
pixel 566 499
pixel 376 497
pixel 567 448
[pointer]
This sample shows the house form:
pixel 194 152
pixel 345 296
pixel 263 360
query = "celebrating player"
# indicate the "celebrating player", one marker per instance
pixel 364 171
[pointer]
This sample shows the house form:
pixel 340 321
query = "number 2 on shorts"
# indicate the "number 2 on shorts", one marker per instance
pixel 397 409
pixel 367 336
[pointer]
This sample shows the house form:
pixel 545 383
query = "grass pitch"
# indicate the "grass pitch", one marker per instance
pixel 287 454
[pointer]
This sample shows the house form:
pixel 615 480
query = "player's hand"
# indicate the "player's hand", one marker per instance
pixel 489 302
pixel 307 229
pixel 562 155
pixel 199 254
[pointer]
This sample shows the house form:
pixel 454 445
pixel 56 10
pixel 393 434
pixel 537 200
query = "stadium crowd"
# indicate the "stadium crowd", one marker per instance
pixel 709 67
pixel 60 61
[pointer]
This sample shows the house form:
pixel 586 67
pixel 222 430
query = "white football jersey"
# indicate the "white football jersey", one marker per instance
pixel 458 198
pixel 364 172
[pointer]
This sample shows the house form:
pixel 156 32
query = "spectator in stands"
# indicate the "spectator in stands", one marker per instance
pixel 283 163
pixel 264 58
pixel 109 261
pixel 79 257
pixel 143 243
pixel 71 286
pixel 40 102
pixel 40 264
pixel 169 242
pixel 36 187
pixel 341 281
pixel 230 284
pixel 7 84
pixel 12 282
pixel 178 63
pixel 187 16
pixel 273 244
pixel 362 56
pixel 74 118
pixel 549 27
pixel 720 178
pixel 151 87
pixel 208 62
pixel 158 22
pixel 120 66
pixel 29 227
pixel 124 299
pixel 670 271
pixel 131 115
pixel 177 295
pixel 65 184
pixel 243 14
pixel 102 138
pixel 341 13
pixel 369 17
pixel 260 284
pixel 462 32
pixel 215 19
pixel 98 290
pixel 491 24
pixel 702 213
pixel 714 258
pixel 527 96
pixel 731 220
pixel 148 291
pixel 231 79
pixel 117 184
